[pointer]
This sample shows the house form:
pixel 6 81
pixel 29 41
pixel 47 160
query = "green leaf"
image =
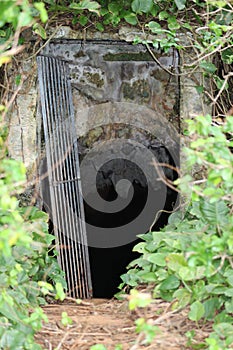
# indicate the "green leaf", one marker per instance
pixel 229 275
pixel 186 273
pixel 18 79
pixel 38 29
pixel 200 89
pixel 114 8
pixel 154 10
pixel 148 277
pixel 141 262
pixel 98 347
pixel 166 295
pixel 14 338
pixel 180 4
pixel 175 261
pixel 138 299
pixel 59 291
pixel 229 306
pixel 183 296
pixel 154 27
pixel 24 19
pixel 171 282
pixel 163 15
pixel 83 20
pixel 187 26
pixel 214 213
pixel 140 247
pixel 99 26
pixel 227 56
pixel 131 19
pixel 8 310
pixel 223 329
pixel 197 311
pixel 220 82
pixel 157 258
pixel 2 33
pixel 208 67
pixel 45 287
pixel 211 306
pixel 65 319
pixel 172 23
pixel 91 6
pixel 40 6
pixel 229 292
pixel 139 6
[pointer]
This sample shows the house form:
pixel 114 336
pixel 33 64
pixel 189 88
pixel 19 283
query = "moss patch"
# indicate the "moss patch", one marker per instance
pixel 94 78
pixel 128 56
pixel 138 90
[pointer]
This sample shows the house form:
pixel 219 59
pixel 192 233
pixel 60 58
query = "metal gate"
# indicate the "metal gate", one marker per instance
pixel 67 211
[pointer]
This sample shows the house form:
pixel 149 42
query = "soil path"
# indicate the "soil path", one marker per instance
pixel 109 322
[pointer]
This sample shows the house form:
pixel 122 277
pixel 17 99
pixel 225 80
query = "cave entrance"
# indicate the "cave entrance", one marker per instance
pixel 109 263
pixel 124 197
pixel 110 162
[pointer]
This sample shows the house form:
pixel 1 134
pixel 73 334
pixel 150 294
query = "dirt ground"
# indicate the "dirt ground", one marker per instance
pixel 109 322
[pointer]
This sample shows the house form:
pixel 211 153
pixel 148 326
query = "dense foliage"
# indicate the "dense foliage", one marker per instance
pixel 26 269
pixel 190 261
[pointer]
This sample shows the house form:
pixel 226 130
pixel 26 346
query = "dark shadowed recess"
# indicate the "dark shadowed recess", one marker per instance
pixel 108 264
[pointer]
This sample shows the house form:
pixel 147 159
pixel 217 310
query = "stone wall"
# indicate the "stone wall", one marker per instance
pixel 104 75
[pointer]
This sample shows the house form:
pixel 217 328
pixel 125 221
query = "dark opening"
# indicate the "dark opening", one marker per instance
pixel 108 264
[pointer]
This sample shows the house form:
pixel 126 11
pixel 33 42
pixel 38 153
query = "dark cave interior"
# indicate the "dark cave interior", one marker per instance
pixel 109 263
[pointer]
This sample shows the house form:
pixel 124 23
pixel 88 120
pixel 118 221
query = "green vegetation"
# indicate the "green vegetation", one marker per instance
pixel 27 272
pixel 190 261
pixel 16 16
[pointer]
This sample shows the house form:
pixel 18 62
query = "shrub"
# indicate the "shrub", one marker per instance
pixel 25 264
pixel 190 261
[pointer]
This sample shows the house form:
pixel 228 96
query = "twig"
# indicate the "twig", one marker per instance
pixel 49 344
pixel 170 167
pixel 12 51
pixel 47 41
pixel 167 315
pixel 162 211
pixel 13 98
pixel 226 77
pixel 217 49
pixel 162 177
pixel 223 258
pixel 63 339
pixel 138 341
pixel 165 69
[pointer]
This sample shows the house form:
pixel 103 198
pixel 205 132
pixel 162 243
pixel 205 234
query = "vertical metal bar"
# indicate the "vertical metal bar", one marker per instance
pixel 63 169
pixel 66 144
pixel 53 166
pixel 55 138
pixel 48 146
pixel 69 166
pixel 56 119
pixel 82 231
pixel 72 187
